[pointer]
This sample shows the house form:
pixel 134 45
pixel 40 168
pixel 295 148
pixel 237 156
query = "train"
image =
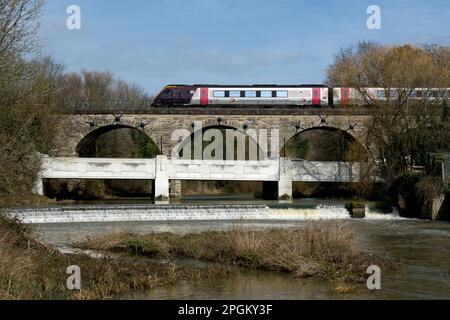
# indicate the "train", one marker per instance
pixel 270 95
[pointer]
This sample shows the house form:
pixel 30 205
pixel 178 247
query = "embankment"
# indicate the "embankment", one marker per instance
pixel 31 270
pixel 421 197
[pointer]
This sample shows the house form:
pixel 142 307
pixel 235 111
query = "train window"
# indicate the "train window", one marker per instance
pixel 185 94
pixel 282 94
pixel 413 93
pixel 191 91
pixel 419 93
pixel 219 94
pixel 250 94
pixel 393 93
pixel 167 91
pixel 380 94
pixel 235 94
pixel 435 93
pixel 266 94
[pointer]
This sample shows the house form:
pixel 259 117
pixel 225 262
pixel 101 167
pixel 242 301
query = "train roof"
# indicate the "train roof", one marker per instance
pixel 251 86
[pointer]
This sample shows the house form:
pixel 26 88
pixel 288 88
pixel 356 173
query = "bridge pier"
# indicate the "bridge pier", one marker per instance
pixel 285 181
pixel 175 189
pixel 39 186
pixel 161 182
pixel 281 189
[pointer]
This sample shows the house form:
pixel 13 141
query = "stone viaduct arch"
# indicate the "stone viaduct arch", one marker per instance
pixel 348 135
pixel 95 133
pixel 76 130
pixel 238 133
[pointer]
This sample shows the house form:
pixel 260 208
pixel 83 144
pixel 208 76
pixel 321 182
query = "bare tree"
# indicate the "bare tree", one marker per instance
pixel 404 125
pixel 95 88
pixel 126 91
pixel 24 129
pixel 18 26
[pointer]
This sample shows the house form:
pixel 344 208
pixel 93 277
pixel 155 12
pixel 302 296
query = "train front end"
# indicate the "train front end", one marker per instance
pixel 174 95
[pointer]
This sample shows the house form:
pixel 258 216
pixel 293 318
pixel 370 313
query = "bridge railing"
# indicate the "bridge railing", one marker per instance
pixel 108 106
pixel 121 103
pixel 98 168
pixel 162 169
pixel 264 170
pixel 182 169
pixel 144 106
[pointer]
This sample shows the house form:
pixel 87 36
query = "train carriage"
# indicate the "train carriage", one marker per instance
pixel 242 96
pixel 236 96
pixel 350 96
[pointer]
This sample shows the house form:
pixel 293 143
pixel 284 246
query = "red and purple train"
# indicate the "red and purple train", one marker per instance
pixel 276 95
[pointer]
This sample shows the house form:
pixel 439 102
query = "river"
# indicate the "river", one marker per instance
pixel 421 246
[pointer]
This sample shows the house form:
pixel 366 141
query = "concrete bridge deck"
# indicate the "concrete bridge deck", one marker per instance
pixel 281 172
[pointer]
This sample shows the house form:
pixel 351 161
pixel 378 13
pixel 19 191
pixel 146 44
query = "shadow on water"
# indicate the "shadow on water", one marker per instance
pixel 241 284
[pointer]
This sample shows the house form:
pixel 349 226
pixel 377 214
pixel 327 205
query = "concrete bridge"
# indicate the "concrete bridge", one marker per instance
pixel 276 174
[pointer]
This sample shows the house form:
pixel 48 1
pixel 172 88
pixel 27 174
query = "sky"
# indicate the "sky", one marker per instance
pixel 156 42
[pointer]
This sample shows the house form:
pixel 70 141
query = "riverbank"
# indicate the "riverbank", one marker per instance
pixel 31 270
pixel 420 247
pixel 321 250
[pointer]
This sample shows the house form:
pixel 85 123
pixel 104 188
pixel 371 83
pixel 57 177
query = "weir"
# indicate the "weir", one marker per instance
pixel 188 212
pixel 136 213
pixel 118 213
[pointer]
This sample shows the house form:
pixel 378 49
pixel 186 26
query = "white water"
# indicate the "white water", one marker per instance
pixel 377 215
pixel 123 213
pixel 318 213
pixel 140 213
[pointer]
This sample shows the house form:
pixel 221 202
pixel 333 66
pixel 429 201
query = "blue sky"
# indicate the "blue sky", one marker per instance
pixel 156 42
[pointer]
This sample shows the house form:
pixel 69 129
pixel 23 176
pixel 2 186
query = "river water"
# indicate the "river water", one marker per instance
pixel 421 246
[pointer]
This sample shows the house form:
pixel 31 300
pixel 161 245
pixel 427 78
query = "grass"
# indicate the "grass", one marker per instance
pixel 322 250
pixel 30 200
pixel 31 270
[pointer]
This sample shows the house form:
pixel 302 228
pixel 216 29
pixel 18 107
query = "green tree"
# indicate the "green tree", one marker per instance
pixel 146 147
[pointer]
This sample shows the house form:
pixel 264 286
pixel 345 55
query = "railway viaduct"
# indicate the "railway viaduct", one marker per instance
pixel 81 128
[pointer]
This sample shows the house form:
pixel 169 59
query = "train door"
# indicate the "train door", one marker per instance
pixel 185 96
pixel 316 96
pixel 204 97
pixel 345 95
pixel 176 96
